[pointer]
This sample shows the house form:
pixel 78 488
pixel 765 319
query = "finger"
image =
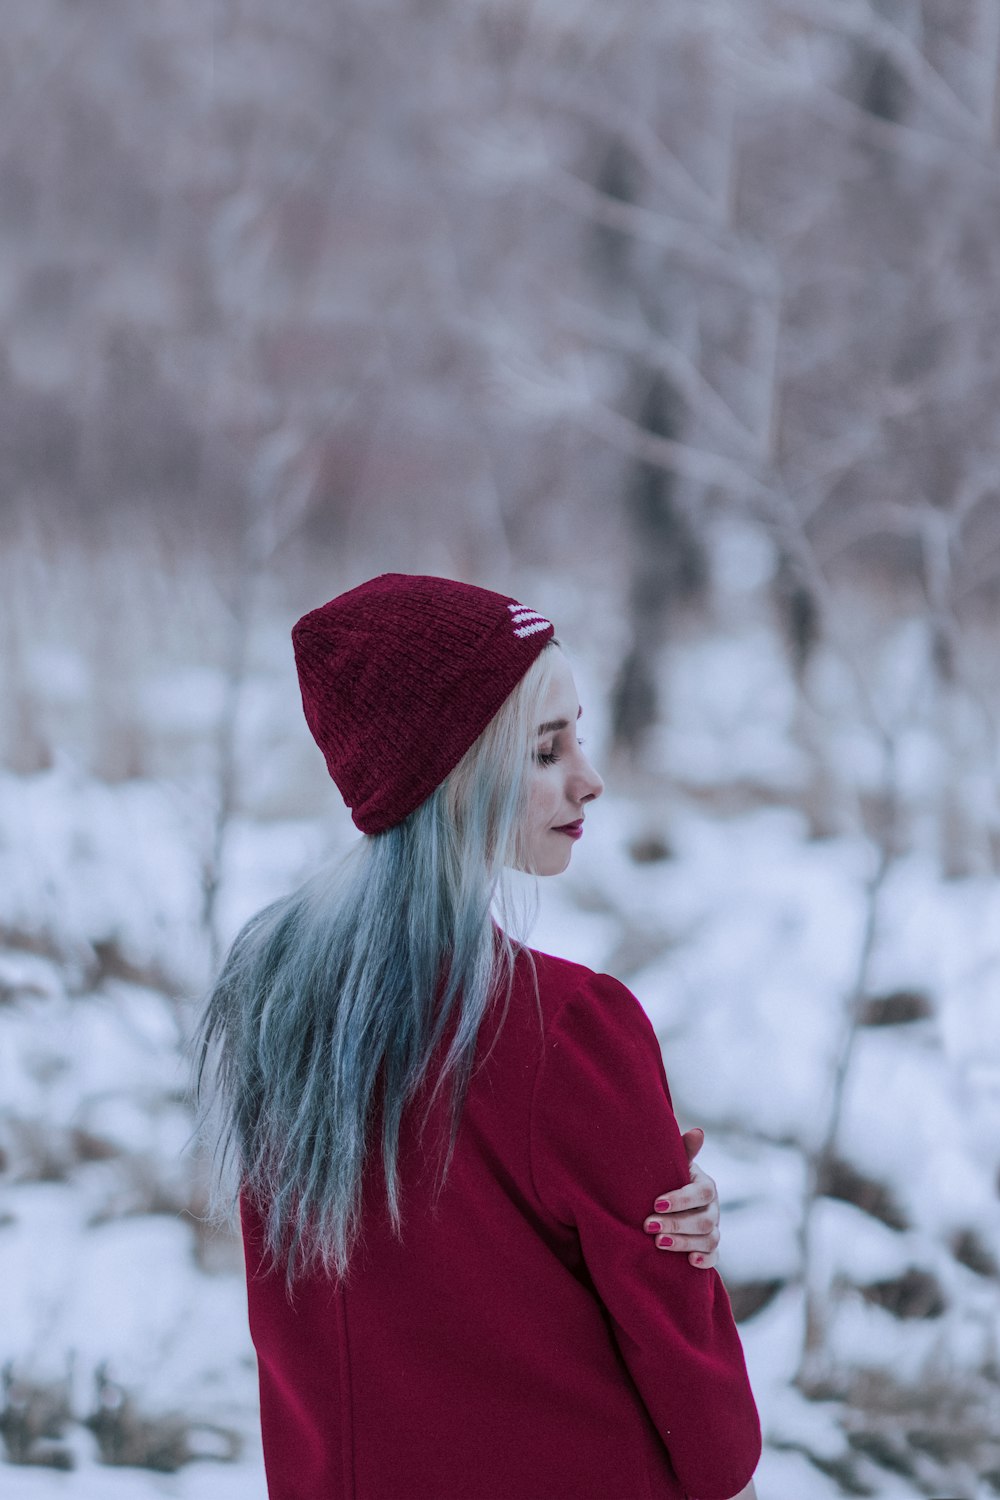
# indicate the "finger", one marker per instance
pixel 687 1244
pixel 701 1227
pixel 702 1196
pixel 693 1140
pixel 704 1261
pixel 701 1222
pixel 696 1195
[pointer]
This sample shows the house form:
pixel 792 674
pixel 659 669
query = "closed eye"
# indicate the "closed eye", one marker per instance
pixel 549 757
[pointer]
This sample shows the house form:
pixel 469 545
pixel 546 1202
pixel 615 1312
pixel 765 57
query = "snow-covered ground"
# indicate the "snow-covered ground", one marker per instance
pixel 743 944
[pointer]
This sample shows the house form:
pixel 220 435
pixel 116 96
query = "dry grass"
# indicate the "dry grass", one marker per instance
pixel 942 1435
pixel 37 1417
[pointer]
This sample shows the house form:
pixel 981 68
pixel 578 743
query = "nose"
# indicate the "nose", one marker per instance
pixel 590 784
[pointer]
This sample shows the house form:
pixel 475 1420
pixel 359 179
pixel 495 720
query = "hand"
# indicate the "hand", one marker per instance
pixel 688 1217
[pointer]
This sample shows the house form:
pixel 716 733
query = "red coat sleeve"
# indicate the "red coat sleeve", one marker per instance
pixel 604 1144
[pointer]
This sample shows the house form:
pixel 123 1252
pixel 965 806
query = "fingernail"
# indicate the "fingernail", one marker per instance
pixel 653 1226
pixel 662 1205
pixel 699 1260
pixel 662 1241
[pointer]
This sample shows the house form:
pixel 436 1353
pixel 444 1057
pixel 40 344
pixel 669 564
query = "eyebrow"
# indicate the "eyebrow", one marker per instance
pixel 554 725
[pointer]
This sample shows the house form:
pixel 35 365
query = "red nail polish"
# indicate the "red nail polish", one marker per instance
pixel 664 1239
pixel 662 1205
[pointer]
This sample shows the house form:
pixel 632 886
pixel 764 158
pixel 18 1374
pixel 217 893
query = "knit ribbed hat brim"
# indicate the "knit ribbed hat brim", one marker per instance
pixel 400 676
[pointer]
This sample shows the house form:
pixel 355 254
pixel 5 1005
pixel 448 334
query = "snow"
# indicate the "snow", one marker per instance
pixel 198 1481
pixel 742 944
pixel 732 705
pixel 184 702
pixel 761 1190
pixel 765 928
pixel 83 863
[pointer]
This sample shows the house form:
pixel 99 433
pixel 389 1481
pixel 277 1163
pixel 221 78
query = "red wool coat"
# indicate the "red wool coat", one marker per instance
pixel 528 1341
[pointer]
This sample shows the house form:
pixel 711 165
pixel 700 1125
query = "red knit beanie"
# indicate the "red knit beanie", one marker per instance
pixel 400 676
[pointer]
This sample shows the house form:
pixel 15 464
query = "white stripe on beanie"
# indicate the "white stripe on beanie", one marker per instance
pixel 527 621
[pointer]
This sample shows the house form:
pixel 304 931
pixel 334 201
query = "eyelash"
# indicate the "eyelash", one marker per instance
pixel 549 757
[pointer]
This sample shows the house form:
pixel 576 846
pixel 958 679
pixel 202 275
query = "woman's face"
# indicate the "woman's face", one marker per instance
pixel 561 779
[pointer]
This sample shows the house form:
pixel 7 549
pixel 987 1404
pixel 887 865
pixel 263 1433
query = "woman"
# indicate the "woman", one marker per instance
pixel 448 1145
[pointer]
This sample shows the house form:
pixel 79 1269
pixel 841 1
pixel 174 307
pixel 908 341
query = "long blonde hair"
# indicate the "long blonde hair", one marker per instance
pixel 350 982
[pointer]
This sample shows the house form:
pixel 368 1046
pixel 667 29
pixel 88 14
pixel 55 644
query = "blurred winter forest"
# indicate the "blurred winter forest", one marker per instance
pixel 679 321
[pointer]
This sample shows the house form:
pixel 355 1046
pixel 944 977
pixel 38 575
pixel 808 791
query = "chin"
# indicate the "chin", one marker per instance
pixel 546 867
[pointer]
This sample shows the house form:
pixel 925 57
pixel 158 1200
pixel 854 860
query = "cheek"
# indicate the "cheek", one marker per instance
pixel 541 803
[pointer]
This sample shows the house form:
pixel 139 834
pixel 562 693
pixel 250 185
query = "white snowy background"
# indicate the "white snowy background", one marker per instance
pixel 676 321
pixel 739 930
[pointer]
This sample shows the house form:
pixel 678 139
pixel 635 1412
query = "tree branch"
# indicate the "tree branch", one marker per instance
pixel 741 264
pixel 861 21
pixel 661 353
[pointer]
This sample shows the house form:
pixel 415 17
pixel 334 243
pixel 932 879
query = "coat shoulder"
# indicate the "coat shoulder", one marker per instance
pixel 560 980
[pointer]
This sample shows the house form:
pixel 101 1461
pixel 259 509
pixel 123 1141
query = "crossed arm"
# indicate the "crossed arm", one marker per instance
pixel 687 1218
